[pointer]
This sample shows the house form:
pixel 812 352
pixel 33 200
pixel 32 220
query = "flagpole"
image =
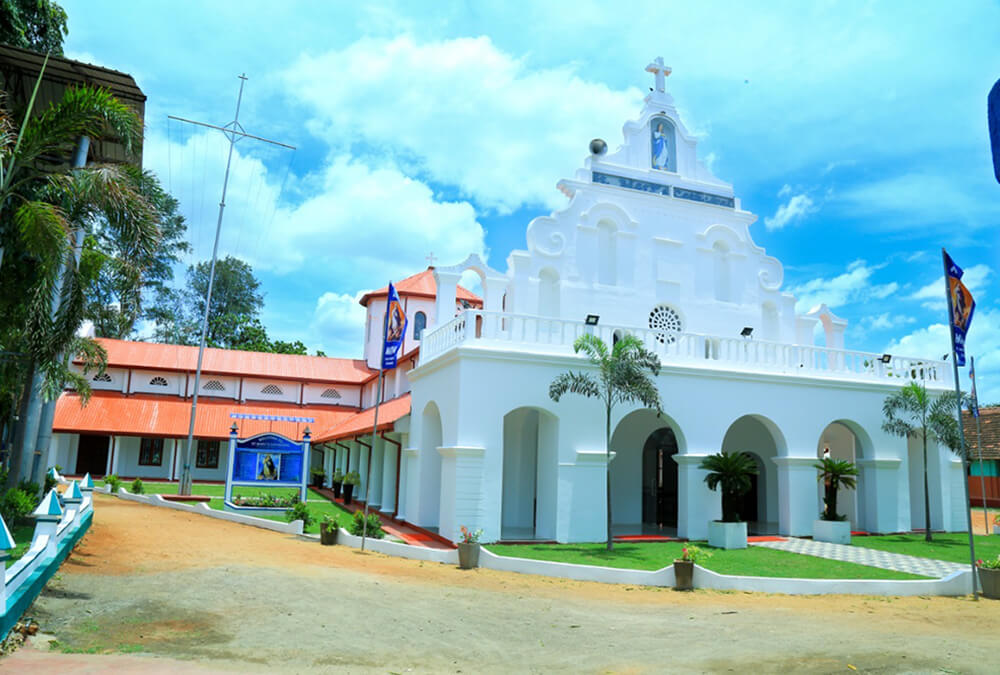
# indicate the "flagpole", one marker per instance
pixel 961 430
pixel 378 399
pixel 979 444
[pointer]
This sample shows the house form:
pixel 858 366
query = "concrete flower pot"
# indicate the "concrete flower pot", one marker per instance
pixel 327 537
pixel 990 582
pixel 832 531
pixel 727 535
pixel 468 556
pixel 683 575
pixel 996 529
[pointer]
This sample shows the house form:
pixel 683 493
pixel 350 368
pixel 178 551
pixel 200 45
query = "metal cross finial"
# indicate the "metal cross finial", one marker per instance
pixel 660 71
pixel 431 258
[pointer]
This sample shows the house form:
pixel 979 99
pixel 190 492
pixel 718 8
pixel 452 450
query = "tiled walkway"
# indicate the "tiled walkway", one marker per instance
pixel 866 556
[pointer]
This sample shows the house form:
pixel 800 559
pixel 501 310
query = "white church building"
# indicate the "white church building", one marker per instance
pixel 650 244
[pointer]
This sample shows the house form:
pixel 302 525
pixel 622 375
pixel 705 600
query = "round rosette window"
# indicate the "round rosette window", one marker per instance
pixel 666 322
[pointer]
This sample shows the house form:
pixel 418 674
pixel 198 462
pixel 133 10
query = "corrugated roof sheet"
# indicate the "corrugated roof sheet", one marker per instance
pixel 168 416
pixel 388 414
pixel 421 285
pixel 989 423
pixel 153 356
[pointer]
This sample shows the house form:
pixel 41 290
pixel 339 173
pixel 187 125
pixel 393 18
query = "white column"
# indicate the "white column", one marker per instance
pixel 879 483
pixel 389 470
pixel 378 448
pixel 582 498
pixel 696 504
pixel 169 458
pixel 798 500
pixel 447 291
pixel 461 491
pixel 327 465
pixel 409 486
pixel 363 470
pixel 116 446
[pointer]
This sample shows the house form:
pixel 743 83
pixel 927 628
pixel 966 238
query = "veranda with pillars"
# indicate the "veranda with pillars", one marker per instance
pixel 356 454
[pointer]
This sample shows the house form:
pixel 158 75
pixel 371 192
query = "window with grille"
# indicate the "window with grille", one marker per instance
pixel 103 377
pixel 666 322
pixel 419 324
pixel 151 452
pixel 158 382
pixel 330 393
pixel 208 455
pixel 213 385
pixel 272 390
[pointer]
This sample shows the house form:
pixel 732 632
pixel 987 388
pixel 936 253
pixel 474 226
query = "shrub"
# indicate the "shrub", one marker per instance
pixel 374 525
pixel 330 522
pixel 137 488
pixel 15 506
pixel 299 512
pixel 50 483
pixel 338 476
pixel 114 482
pixel 471 536
pixel 31 488
pixel 265 500
pixel 353 478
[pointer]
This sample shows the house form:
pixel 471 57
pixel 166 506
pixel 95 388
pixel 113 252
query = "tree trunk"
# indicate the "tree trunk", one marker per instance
pixel 607 471
pixel 17 433
pixel 927 494
pixel 831 500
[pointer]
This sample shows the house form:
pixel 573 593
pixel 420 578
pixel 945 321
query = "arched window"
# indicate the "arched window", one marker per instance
pixel 102 377
pixel 272 390
pixel 419 324
pixel 607 254
pixel 158 382
pixel 213 385
pixel 330 393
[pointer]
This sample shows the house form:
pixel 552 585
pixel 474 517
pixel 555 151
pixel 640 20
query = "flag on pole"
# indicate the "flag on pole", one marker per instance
pixel 993 115
pixel 395 329
pixel 961 304
pixel 974 397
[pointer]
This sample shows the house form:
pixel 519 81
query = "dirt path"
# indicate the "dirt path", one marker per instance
pixel 161 585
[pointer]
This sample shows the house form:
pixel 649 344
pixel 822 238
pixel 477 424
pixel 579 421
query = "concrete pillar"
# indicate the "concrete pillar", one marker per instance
pixel 461 491
pixel 408 485
pixel 378 449
pixel 696 504
pixel 328 467
pixel 389 471
pixel 363 456
pixel 447 291
pixel 114 454
pixel 878 482
pixel 798 501
pixel 581 513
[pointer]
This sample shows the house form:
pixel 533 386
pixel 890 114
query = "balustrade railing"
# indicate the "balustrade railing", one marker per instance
pixel 549 334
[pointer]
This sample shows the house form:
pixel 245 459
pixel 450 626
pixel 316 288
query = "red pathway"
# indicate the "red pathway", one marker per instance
pixel 397 528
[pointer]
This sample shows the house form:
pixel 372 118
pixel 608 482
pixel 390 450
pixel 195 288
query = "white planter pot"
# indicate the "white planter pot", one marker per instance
pixel 832 531
pixel 996 529
pixel 727 535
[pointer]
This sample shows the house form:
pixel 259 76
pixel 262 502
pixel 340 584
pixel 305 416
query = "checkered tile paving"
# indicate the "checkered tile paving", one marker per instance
pixel 866 556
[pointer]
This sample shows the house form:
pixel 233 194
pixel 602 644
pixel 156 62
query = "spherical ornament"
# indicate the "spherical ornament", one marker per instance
pixel 598 147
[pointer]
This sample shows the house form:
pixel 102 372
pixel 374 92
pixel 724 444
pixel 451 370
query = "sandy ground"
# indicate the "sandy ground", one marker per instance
pixel 153 590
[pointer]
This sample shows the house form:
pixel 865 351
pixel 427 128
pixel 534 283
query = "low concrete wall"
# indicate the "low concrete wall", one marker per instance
pixel 201 508
pixel 448 557
pixel 607 575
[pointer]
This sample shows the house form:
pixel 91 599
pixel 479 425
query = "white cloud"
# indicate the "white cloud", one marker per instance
pixel 462 111
pixel 795 209
pixel 886 321
pixel 932 294
pixel 854 285
pixel 785 190
pixel 338 324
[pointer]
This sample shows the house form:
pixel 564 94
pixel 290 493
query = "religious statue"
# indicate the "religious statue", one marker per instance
pixel 661 150
pixel 268 470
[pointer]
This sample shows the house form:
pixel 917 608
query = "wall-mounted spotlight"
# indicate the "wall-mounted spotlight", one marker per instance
pixel 886 358
pixel 747 332
pixel 592 319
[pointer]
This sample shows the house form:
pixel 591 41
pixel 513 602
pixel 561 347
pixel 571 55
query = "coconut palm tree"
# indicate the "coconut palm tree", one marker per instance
pixel 732 471
pixel 622 377
pixel 835 473
pixel 912 413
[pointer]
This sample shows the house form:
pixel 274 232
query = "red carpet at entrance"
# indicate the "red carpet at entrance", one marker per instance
pixel 756 539
pixel 644 537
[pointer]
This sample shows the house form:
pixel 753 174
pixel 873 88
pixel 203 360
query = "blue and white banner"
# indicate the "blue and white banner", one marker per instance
pixel 962 306
pixel 395 329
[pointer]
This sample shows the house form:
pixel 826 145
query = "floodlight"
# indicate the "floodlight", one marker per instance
pixel 592 319
pixel 747 331
pixel 886 358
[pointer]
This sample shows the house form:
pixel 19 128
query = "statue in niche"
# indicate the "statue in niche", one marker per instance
pixel 663 155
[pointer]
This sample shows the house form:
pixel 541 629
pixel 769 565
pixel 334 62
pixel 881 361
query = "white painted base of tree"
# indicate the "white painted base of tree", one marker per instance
pixel 727 535
pixel 832 531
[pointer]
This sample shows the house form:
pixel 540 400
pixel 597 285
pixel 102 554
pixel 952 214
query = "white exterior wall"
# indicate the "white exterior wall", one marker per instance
pixel 350 395
pixel 209 386
pixel 252 390
pixel 141 380
pixel 113 379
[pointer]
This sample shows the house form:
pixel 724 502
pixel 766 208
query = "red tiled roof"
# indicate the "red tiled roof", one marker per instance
pixel 154 356
pixel 421 285
pixel 388 414
pixel 989 424
pixel 167 416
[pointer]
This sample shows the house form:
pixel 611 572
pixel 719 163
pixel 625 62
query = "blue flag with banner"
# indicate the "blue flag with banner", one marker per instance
pixel 974 397
pixel 395 329
pixel 961 304
pixel 993 115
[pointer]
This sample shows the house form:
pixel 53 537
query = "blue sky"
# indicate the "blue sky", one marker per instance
pixel 856 131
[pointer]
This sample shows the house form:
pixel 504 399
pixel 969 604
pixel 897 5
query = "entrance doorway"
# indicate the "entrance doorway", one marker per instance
pixel 92 454
pixel 748 509
pixel 659 479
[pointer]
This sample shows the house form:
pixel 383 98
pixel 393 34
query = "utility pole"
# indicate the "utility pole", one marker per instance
pixel 235 132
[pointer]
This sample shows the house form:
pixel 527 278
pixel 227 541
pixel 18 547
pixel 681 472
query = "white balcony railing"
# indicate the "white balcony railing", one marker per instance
pixel 536 333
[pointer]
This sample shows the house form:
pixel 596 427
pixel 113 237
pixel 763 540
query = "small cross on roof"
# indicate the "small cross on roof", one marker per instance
pixel 660 71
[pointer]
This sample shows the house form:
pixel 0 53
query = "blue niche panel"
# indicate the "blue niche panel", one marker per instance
pixel 631 184
pixel 704 197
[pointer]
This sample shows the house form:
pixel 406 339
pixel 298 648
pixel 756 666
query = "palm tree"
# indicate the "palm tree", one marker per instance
pixel 835 473
pixel 911 413
pixel 731 471
pixel 621 378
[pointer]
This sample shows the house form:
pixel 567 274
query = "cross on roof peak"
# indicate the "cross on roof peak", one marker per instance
pixel 660 71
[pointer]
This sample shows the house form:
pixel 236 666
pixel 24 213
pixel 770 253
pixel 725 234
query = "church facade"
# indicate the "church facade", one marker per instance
pixel 651 244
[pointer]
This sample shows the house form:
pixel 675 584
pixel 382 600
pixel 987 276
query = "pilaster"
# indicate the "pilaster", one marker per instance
pixel 798 500
pixel 461 492
pixel 696 504
pixel 879 485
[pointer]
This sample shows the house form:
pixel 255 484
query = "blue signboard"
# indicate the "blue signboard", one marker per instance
pixel 268 458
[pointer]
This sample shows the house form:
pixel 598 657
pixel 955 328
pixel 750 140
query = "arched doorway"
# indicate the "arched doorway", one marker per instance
pixel 528 499
pixel 753 435
pixel 659 480
pixel 841 442
pixel 429 488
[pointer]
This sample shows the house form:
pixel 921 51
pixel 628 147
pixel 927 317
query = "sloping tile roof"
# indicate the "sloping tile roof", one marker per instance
pixel 989 423
pixel 421 285
pixel 360 423
pixel 154 356
pixel 168 416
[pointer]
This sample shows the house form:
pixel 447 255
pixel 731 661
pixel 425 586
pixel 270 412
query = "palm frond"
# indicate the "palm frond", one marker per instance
pixel 574 383
pixel 593 346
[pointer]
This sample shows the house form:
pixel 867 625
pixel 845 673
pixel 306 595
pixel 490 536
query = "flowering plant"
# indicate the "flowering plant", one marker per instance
pixel 989 564
pixel 264 500
pixel 471 536
pixel 693 554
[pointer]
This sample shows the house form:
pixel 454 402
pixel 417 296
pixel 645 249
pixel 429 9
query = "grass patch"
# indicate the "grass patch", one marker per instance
pixel 953 547
pixel 753 561
pixel 171 488
pixel 22 539
pixel 317 504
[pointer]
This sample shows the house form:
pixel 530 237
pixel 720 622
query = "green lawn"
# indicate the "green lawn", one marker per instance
pixel 752 561
pixel 22 539
pixel 317 504
pixel 165 488
pixel 953 547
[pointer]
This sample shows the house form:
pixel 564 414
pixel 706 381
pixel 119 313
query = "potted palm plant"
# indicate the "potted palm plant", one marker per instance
pixel 835 473
pixel 328 528
pixel 730 471
pixel 468 548
pixel 317 476
pixel 351 480
pixel 337 482
pixel 684 568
